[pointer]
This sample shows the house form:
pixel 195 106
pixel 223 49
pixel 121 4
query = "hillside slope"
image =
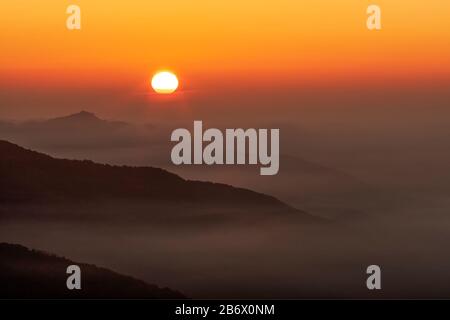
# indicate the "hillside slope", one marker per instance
pixel 32 274
pixel 28 177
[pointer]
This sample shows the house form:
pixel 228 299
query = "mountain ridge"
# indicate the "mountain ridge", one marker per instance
pixel 32 177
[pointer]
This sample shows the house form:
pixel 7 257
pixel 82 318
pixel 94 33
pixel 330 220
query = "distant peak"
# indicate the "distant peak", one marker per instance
pixel 84 114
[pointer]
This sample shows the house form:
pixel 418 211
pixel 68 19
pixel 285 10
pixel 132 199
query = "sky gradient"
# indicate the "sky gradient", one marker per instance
pixel 219 46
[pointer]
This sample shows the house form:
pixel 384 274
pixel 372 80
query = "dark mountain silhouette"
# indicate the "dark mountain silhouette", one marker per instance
pixel 28 274
pixel 300 183
pixel 28 177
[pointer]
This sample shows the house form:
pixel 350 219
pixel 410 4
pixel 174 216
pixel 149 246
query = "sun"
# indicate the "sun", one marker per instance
pixel 164 82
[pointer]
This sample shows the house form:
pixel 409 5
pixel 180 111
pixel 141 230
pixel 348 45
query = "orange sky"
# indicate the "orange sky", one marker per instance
pixel 212 41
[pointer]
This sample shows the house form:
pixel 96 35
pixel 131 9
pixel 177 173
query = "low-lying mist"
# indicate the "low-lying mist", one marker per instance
pixel 261 259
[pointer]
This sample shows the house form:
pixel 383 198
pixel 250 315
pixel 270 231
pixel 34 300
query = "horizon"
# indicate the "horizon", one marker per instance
pixel 236 63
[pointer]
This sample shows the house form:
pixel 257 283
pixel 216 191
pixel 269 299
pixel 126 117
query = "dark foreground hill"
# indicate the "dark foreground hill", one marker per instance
pixel 28 177
pixel 31 274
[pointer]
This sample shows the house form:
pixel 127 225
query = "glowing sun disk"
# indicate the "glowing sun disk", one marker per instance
pixel 164 82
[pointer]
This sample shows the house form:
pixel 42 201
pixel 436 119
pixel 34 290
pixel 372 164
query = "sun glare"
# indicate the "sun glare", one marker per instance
pixel 164 82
